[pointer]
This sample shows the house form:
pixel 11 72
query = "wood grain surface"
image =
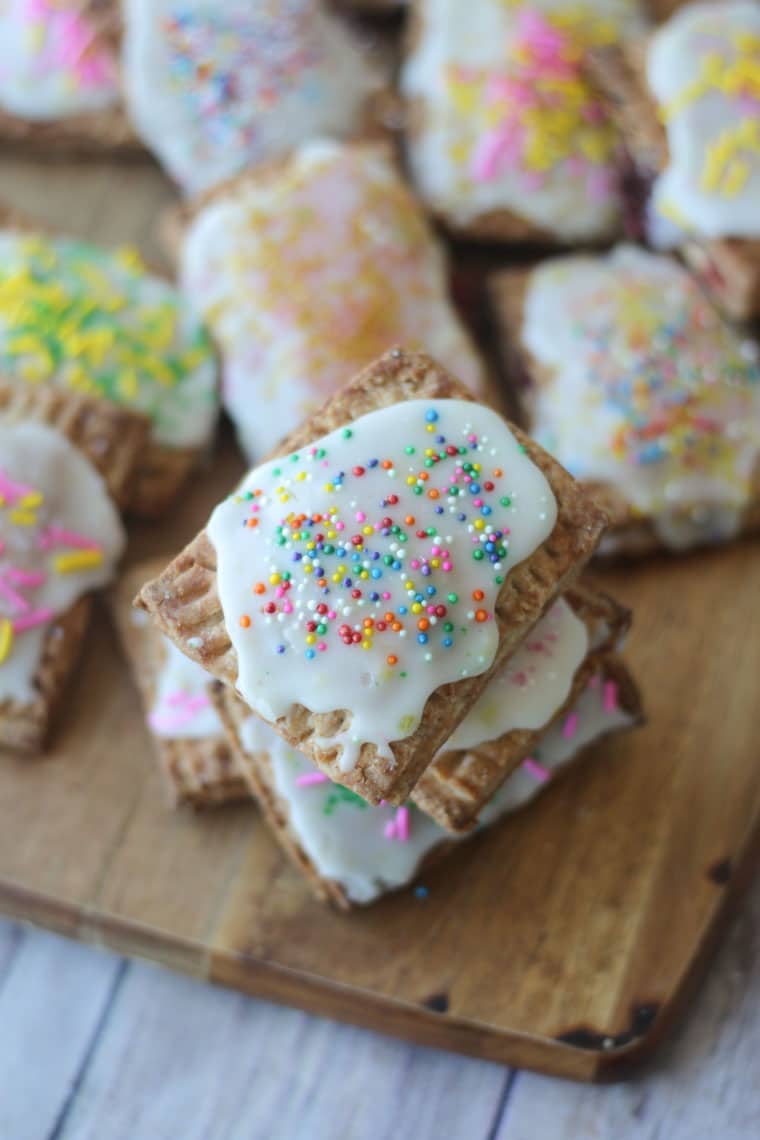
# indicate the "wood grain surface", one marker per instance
pixel 566 940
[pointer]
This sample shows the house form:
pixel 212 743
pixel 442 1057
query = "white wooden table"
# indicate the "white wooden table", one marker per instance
pixel 93 1047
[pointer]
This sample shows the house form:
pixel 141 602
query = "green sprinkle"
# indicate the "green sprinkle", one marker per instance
pixel 277 471
pixel 294 457
pixel 347 433
pixel 321 453
pixel 409 449
pixel 505 501
pixel 448 627
pixel 478 555
pixel 417 489
pixel 453 598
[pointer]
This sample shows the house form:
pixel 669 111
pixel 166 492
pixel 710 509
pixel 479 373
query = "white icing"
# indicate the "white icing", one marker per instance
pixel 472 41
pixel 359 846
pixel 558 747
pixel 291 652
pixel 107 328
pixel 60 491
pixel 650 391
pixel 182 708
pixel 702 69
pixel 529 688
pixel 305 273
pixel 51 63
pixel 214 87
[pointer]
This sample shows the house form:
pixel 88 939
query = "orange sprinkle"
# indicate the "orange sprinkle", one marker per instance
pixel 368 623
pixel 245 621
pixel 389 616
pixel 259 588
pixel 392 659
pixel 423 475
pixel 481 615
pixel 252 522
pixel 423 624
pixel 321 581
pixel 478 595
pixel 396 626
pixel 498 472
pixel 386 464
pixel 410 520
pixel 433 494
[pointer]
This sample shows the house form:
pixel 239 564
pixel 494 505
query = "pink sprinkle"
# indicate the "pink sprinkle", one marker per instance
pixel 360 516
pixel 56 535
pixel 29 621
pixel 340 526
pixel 435 550
pixel 12 491
pixel 538 771
pixel 389 830
pixel 446 566
pixel 308 779
pixel 610 696
pixel 321 647
pixel 402 824
pixel 20 604
pixel 26 577
pixel 570 727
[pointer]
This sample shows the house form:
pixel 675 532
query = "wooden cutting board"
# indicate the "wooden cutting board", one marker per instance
pixel 565 940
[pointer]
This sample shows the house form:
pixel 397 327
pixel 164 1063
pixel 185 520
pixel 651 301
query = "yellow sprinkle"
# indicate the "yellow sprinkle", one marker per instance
pixel 32 500
pixel 6 639
pixel 77 560
pixel 367 530
pixel 23 518
pixel 311 639
pixel 274 579
pixel 417 608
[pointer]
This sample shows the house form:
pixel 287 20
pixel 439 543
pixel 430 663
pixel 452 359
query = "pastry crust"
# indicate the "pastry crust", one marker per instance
pixel 729 268
pixel 24 726
pixel 628 532
pixel 143 476
pixel 199 771
pixel 458 784
pixel 185 604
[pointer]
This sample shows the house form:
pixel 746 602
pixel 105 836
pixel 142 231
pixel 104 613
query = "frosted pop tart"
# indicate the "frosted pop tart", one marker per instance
pixel 352 853
pixel 536 689
pixel 77 320
pixel 506 137
pixel 687 100
pixel 215 89
pixel 59 79
pixel 306 270
pixel 196 763
pixel 60 538
pixel 628 374
pixel 359 590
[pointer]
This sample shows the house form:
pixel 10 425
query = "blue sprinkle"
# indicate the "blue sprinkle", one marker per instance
pixel 374 596
pixel 431 590
pixel 431 416
pixel 375 572
pixel 403 610
pixel 462 517
pixel 396 565
pixel 373 462
pixel 310 653
pixel 421 892
pixel 474 488
pixel 280 648
pixel 485 510
pixel 439 510
pixel 297 557
pixel 348 583
pixel 422 638
pixel 447 642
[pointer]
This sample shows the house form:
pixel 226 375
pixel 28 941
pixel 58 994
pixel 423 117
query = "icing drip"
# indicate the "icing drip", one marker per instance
pixel 509 120
pixel 371 850
pixel 215 87
pixel 52 62
pixel 182 708
pixel 294 318
pixel 651 391
pixel 361 573
pixel 530 687
pixel 703 68
pixel 60 537
pixel 95 321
